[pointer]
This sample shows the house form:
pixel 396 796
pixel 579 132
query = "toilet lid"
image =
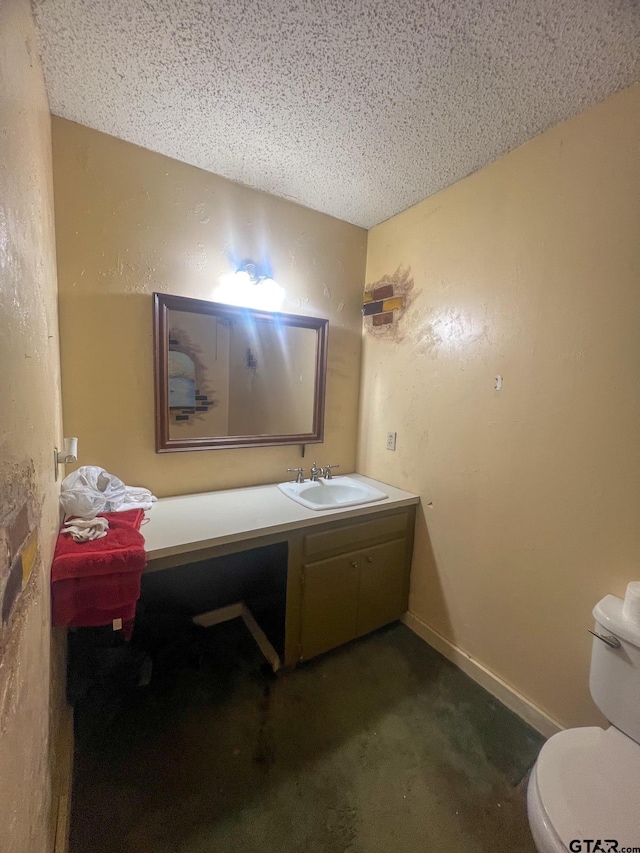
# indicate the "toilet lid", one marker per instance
pixel 589 785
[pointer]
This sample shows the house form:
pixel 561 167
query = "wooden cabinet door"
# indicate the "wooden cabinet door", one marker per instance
pixel 383 587
pixel 329 603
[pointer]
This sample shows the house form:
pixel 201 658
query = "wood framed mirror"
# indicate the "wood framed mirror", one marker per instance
pixel 235 377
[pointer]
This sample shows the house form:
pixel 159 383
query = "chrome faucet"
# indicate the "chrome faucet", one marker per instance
pixel 299 472
pixel 315 473
pixel 327 472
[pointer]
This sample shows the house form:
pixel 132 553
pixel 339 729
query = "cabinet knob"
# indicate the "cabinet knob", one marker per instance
pixel 354 563
pixel 369 558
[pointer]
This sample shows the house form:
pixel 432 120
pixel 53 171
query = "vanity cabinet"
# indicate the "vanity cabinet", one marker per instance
pixel 383 585
pixel 354 579
pixel 329 612
pixel 346 571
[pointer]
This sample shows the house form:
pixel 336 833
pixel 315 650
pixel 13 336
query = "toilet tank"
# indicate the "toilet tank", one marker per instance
pixel 614 680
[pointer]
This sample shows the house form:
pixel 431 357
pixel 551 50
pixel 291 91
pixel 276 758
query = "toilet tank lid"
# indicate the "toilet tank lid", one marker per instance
pixel 608 613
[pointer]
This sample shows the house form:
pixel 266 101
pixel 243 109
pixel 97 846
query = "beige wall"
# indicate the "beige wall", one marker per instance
pixel 531 495
pixel 129 222
pixel 30 664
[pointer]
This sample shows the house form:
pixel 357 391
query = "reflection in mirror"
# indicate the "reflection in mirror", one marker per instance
pixel 229 377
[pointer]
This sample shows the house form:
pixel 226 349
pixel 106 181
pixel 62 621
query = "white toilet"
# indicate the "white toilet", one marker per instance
pixel 585 784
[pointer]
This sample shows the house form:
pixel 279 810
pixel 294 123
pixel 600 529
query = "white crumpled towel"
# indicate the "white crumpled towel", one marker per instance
pixel 86 529
pixel 91 490
pixel 136 498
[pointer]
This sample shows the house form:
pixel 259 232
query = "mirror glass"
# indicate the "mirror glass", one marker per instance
pixel 233 377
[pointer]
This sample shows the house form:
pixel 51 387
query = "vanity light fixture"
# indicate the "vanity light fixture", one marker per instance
pixel 253 272
pixel 250 286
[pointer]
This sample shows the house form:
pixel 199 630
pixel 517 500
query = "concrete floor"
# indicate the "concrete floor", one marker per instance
pixel 379 746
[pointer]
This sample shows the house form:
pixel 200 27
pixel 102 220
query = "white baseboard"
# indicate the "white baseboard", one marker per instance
pixel 503 692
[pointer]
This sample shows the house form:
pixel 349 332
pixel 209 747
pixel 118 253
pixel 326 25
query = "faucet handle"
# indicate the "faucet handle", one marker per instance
pixel 299 472
pixel 327 471
pixel 315 473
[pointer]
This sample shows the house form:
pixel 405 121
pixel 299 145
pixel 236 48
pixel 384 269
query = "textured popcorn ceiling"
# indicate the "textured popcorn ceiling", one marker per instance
pixel 358 108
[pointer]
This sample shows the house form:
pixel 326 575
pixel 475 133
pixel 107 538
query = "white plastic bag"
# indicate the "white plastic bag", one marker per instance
pixel 91 490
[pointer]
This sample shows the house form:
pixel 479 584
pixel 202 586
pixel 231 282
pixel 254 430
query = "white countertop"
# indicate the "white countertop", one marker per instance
pixel 189 523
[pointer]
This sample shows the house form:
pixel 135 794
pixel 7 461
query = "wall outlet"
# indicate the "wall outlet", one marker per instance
pixel 391 440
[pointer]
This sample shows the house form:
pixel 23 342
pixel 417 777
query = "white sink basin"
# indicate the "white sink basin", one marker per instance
pixel 331 494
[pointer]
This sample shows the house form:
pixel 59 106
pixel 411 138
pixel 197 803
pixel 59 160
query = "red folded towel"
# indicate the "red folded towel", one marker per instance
pixel 121 550
pixel 95 582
